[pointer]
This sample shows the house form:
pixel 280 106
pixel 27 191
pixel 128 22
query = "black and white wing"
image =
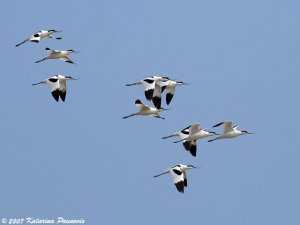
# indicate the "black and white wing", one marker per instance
pixel 53 83
pixel 178 178
pixel 170 89
pixel 156 99
pixel 149 86
pixel 62 89
pixel 67 59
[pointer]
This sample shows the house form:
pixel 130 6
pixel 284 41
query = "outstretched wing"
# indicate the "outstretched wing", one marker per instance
pixel 67 59
pixel 194 128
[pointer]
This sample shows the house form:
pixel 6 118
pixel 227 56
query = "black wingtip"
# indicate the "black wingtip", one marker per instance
pixel 169 98
pixel 157 102
pixel 149 94
pixel 193 149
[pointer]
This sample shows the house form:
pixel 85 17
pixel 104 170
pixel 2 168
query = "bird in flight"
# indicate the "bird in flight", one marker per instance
pixel 58 54
pixel 178 173
pixel 145 110
pixel 40 35
pixel 57 85
pixel 229 131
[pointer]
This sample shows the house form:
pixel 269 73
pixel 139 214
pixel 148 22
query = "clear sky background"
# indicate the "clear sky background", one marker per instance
pixel 79 159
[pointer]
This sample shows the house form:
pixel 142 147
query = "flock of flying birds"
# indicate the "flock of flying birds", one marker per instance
pixel 57 83
pixel 154 87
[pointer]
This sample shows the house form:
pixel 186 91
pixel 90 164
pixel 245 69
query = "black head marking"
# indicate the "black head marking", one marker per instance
pixel 138 101
pixel 36 35
pixel 47 49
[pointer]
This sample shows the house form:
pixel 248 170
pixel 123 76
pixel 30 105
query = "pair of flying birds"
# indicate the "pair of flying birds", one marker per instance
pixel 53 54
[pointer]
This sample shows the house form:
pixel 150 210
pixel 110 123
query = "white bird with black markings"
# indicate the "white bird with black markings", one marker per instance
pixel 229 131
pixel 188 145
pixel 145 110
pixel 195 133
pixel 58 54
pixel 178 173
pixel 40 35
pixel 149 85
pixel 57 85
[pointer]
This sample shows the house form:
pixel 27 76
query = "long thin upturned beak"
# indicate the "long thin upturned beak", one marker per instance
pixel 131 84
pixel 184 83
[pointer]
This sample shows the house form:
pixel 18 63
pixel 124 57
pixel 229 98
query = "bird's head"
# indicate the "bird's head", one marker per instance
pixel 54 31
pixel 191 167
pixel 245 132
pixel 47 49
pixel 71 50
pixel 70 78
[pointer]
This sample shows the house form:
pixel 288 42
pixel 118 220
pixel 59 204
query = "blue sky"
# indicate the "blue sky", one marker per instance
pixel 79 159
